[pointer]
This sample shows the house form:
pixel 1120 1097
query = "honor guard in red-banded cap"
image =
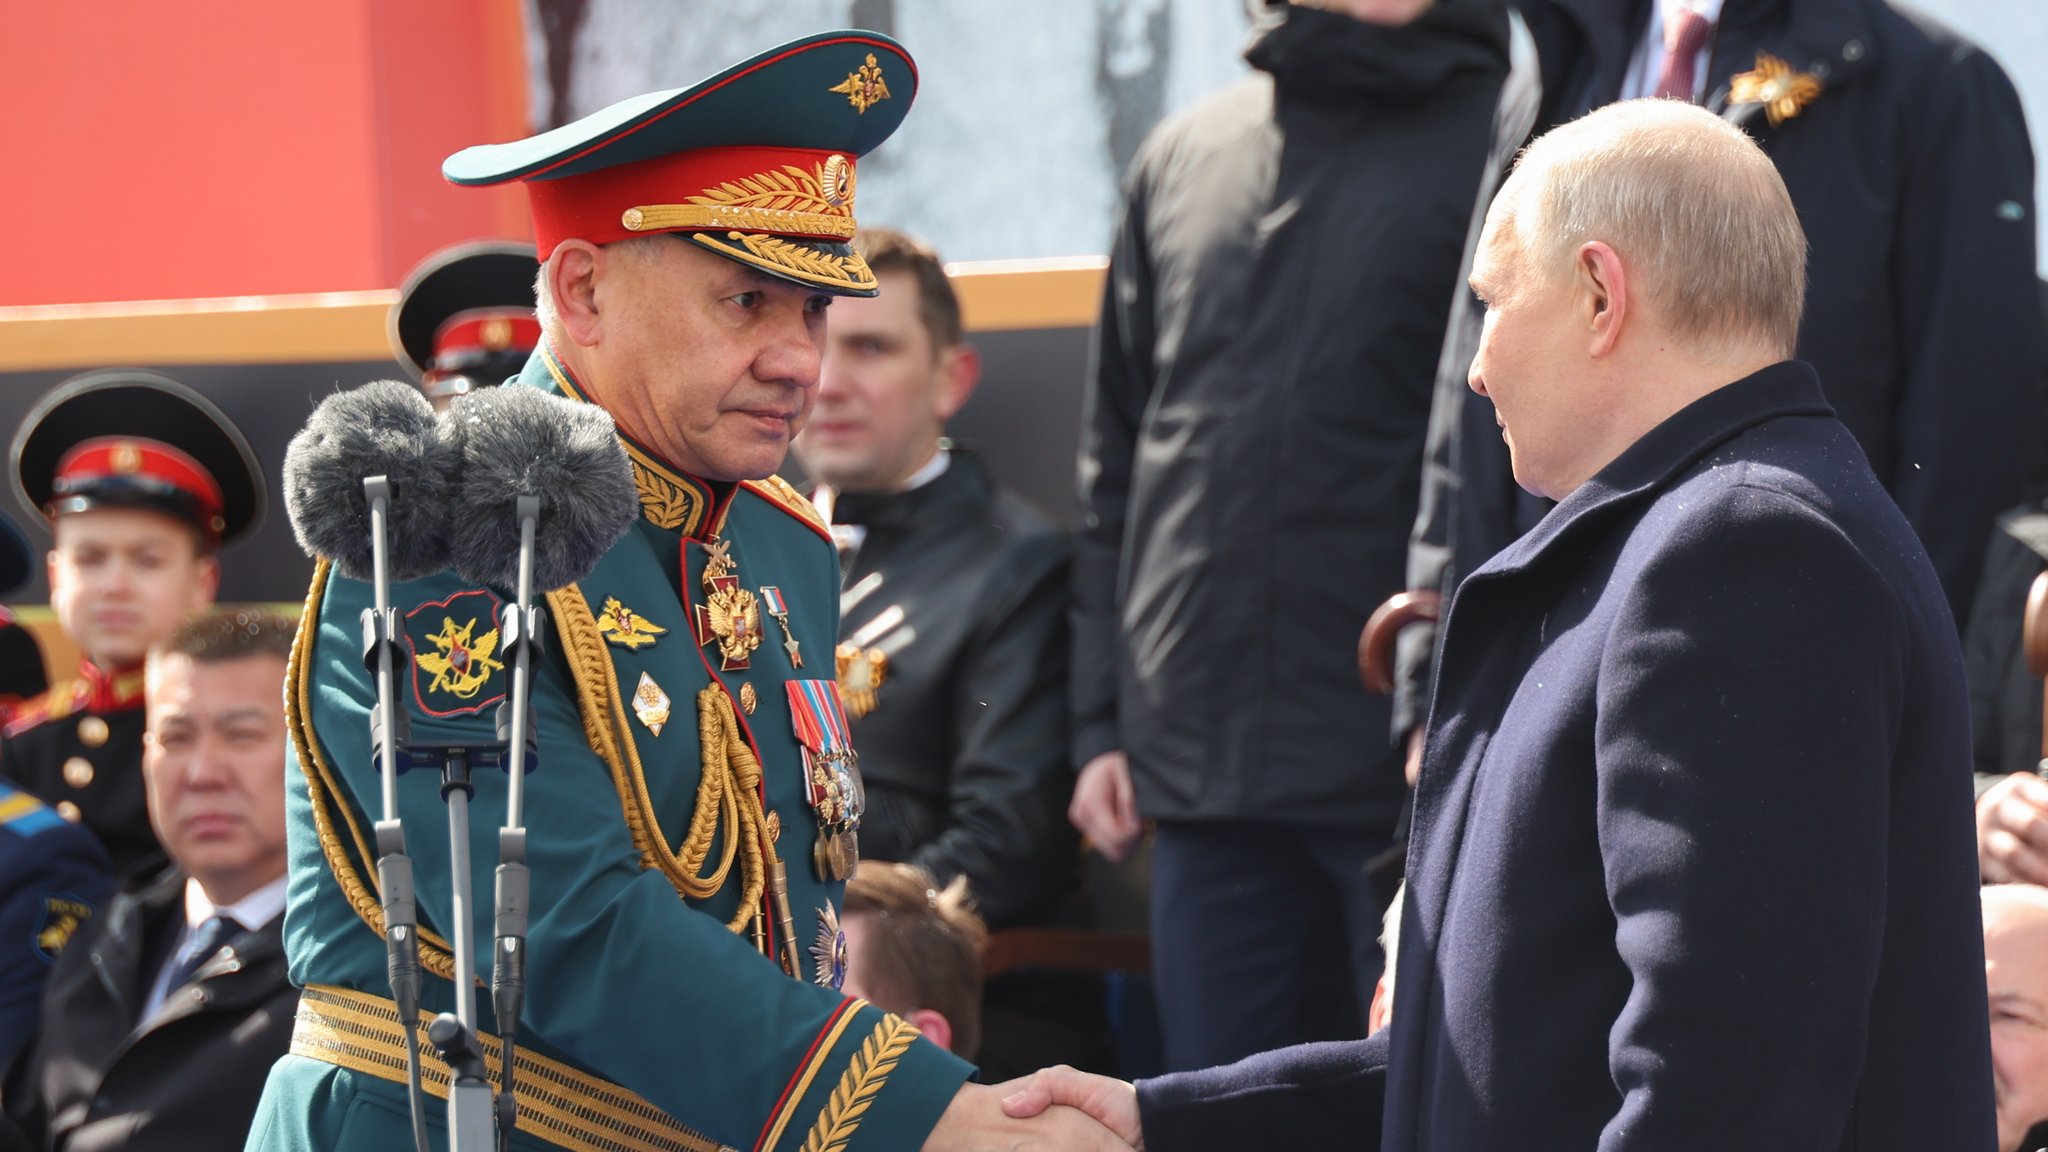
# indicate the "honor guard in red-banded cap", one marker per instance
pixel 690 844
pixel 141 480
pixel 464 319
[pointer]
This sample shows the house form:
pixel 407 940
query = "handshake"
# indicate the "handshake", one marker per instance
pixel 1056 1109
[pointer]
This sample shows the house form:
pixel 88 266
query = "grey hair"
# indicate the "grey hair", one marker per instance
pixel 632 247
pixel 1695 209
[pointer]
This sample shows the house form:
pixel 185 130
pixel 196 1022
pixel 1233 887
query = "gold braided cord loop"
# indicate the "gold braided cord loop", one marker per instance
pixel 668 217
pixel 726 752
pixel 599 704
pixel 728 796
pixel 856 1089
pixel 325 792
pixel 558 1103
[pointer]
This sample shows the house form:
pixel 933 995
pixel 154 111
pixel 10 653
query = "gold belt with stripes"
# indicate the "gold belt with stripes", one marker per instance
pixel 557 1103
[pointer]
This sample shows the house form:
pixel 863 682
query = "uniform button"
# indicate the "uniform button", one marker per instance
pixel 78 772
pixel 69 811
pixel 774 827
pixel 92 731
pixel 748 699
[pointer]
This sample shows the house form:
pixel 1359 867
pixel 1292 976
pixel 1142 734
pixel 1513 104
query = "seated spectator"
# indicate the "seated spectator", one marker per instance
pixel 916 951
pixel 164 1014
pixel 2016 964
pixel 2005 695
pixel 53 876
pixel 953 642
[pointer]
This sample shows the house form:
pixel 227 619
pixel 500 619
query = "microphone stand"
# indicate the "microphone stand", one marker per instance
pixel 508 956
pixel 472 1112
pixel 453 1035
pixel 388 728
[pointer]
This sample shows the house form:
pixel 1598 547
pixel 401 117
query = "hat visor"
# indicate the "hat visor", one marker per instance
pixel 828 265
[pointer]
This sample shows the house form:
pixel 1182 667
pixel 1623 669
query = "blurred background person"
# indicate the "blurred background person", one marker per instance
pixel 1251 449
pixel 915 949
pixel 164 1015
pixel 1907 154
pixel 465 318
pixel 142 481
pixel 2016 964
pixel 953 641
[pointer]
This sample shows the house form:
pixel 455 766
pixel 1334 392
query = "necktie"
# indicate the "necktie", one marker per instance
pixel 846 540
pixel 213 932
pixel 1684 37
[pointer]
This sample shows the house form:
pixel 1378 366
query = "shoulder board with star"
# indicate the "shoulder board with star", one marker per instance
pixel 784 495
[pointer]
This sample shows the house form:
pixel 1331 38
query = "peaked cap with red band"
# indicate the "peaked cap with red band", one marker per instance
pixel 131 439
pixel 756 163
pixel 467 311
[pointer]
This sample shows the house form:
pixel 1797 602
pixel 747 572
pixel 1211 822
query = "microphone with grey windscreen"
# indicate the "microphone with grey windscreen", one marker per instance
pixel 516 444
pixel 382 429
pixel 544 490
pixel 364 485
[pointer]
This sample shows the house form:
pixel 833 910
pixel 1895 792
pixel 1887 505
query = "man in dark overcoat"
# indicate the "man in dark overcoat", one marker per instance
pixel 1624 928
pixel 1906 151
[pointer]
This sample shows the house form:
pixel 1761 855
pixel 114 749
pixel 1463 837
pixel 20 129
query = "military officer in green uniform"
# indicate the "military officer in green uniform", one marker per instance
pixel 142 480
pixel 693 817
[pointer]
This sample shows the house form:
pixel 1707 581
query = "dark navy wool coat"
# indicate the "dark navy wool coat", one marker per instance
pixel 1692 863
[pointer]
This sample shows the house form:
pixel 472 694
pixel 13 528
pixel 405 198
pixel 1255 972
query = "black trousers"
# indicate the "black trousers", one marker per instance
pixel 1263 936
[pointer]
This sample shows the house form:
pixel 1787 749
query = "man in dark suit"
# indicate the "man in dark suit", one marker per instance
pixel 1625 927
pixel 163 1017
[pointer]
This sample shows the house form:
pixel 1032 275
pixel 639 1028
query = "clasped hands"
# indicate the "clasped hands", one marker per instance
pixel 1056 1110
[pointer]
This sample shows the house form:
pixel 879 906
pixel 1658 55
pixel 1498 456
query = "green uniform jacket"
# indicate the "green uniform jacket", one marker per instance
pixel 627 981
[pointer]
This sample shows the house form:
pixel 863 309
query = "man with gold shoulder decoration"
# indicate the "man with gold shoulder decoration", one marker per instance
pixel 691 824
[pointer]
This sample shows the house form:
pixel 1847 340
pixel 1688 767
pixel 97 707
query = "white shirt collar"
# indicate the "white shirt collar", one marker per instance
pixel 933 469
pixel 251 912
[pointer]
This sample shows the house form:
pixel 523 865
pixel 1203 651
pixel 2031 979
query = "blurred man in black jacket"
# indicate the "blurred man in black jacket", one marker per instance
pixel 953 640
pixel 1250 457
pixel 1907 154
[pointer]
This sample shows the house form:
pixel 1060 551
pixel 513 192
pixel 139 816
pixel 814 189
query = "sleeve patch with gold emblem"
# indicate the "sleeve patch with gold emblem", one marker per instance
pixel 455 665
pixel 63 914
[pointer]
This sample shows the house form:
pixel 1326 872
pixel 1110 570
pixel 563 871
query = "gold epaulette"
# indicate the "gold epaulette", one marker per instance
pixel 784 495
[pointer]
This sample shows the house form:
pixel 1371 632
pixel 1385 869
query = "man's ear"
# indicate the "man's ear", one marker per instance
pixel 933 1025
pixel 960 368
pixel 50 574
pixel 572 272
pixel 1601 291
